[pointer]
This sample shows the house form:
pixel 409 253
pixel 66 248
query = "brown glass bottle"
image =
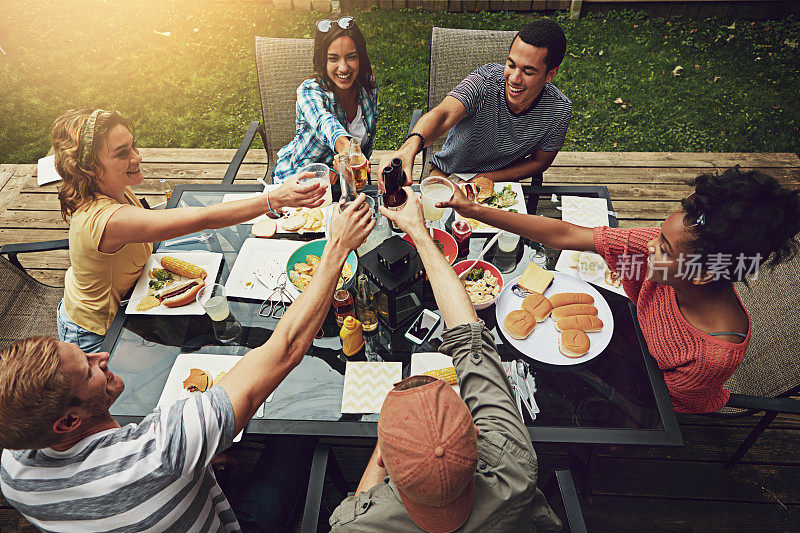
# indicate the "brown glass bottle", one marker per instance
pixel 394 196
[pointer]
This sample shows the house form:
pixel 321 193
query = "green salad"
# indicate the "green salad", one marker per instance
pixel 505 198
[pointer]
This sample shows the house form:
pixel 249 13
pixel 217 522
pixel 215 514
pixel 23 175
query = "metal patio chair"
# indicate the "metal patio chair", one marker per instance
pixel 281 65
pixel 454 54
pixel 28 307
pixel 770 370
pixel 324 464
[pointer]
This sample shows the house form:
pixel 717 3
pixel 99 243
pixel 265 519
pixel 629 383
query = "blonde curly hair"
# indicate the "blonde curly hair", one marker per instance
pixel 80 180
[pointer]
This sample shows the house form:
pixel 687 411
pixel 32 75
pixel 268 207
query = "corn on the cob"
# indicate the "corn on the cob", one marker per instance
pixel 445 374
pixel 183 268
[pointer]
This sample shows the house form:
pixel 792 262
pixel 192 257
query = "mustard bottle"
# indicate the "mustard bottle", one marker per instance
pixel 352 335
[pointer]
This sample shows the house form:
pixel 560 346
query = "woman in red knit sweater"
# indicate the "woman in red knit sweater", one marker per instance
pixel 680 276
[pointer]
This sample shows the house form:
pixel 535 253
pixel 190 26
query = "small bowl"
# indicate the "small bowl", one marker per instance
pixel 461 266
pixel 315 248
pixel 450 246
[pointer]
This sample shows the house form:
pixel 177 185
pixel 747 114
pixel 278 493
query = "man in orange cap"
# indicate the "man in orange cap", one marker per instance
pixel 442 463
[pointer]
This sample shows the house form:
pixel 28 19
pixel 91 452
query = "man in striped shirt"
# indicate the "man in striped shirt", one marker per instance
pixel 68 466
pixel 504 123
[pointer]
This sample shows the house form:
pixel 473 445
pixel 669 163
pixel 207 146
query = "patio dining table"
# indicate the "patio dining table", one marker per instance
pixel 618 397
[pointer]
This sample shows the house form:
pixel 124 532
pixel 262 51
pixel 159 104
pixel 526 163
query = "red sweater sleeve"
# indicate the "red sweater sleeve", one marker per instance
pixel 625 252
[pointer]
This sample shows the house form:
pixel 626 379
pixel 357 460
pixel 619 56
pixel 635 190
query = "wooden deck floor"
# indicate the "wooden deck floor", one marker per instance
pixel 635 489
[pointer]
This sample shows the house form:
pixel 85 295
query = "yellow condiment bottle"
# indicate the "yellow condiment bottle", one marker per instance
pixel 352 335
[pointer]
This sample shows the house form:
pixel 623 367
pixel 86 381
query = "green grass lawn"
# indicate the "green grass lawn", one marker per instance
pixel 184 72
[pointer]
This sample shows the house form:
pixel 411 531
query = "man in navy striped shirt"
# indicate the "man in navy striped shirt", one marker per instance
pixel 505 123
pixel 68 465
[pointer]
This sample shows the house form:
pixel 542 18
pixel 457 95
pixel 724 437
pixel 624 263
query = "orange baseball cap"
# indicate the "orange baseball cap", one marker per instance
pixel 429 445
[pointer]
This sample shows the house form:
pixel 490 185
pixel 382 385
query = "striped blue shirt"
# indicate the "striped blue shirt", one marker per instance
pixel 154 476
pixel 491 137
pixel 320 121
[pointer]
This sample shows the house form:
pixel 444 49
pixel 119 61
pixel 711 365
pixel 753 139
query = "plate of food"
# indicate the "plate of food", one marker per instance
pixel 446 243
pixel 501 195
pixel 295 220
pixel 437 365
pixel 170 282
pixel 303 263
pixel 562 321
pixel 195 373
pixel 483 283
pixel 589 267
pixel 268 257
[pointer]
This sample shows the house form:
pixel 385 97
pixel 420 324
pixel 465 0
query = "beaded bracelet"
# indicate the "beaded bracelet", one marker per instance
pixel 421 137
pixel 270 207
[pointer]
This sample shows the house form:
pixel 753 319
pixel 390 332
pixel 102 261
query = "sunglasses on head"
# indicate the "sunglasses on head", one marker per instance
pixel 325 25
pixel 689 222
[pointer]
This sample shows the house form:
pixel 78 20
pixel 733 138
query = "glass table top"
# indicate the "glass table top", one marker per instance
pixel 618 390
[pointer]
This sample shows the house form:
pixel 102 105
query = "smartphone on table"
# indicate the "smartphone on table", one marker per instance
pixel 423 326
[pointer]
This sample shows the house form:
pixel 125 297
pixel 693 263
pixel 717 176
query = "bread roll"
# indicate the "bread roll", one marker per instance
pixel 573 343
pixel 265 228
pixel 519 324
pixel 572 310
pixel 567 298
pixel 485 187
pixel 198 381
pixel 537 305
pixel 587 323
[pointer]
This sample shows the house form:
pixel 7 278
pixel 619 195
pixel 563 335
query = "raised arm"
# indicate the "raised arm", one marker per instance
pixel 548 231
pixel 451 296
pixel 262 369
pixel 431 125
pixel 133 224
pixel 530 166
pixel 484 387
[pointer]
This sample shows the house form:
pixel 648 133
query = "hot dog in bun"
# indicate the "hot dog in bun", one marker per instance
pixel 179 294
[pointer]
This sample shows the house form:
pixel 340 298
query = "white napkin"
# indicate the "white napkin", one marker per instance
pixel 46 170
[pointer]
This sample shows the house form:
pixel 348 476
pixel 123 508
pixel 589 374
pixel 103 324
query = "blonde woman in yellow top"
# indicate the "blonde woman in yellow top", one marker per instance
pixel 110 232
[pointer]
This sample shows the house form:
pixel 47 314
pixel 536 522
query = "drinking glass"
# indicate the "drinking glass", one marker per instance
pixel 215 302
pixel 347 180
pixel 505 258
pixel 538 254
pixel 435 190
pixel 322 175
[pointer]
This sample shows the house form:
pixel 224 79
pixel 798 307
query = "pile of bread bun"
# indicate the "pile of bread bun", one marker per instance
pixel 573 314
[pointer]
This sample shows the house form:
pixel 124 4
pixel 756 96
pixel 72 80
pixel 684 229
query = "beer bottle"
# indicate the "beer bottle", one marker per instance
pixel 394 196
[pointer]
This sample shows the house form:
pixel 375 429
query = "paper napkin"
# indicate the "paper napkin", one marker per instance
pixel 366 385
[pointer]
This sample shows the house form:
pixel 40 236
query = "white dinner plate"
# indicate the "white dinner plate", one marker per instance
pixel 230 197
pixel 542 344
pixel 519 206
pixel 212 364
pixel 210 261
pixel 242 282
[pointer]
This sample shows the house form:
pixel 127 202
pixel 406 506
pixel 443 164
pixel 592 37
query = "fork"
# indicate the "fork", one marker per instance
pixel 197 238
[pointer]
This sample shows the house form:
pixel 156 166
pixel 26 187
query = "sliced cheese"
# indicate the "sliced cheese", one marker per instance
pixel 535 278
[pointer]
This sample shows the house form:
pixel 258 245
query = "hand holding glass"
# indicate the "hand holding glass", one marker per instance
pixel 435 190
pixel 322 176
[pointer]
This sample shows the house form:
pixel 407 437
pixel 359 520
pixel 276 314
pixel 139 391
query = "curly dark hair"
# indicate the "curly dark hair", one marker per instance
pixel 745 213
pixel 545 33
pixel 322 41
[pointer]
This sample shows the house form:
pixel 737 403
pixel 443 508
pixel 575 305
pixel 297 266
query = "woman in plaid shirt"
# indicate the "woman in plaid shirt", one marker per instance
pixel 339 103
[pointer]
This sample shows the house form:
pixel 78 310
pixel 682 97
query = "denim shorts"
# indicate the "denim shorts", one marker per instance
pixel 69 331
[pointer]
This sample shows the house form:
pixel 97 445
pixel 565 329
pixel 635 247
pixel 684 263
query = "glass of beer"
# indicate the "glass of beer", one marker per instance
pixel 434 190
pixel 358 161
pixel 322 175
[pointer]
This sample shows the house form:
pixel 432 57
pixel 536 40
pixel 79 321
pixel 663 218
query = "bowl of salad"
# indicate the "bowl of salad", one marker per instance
pixel 483 283
pixel 446 243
